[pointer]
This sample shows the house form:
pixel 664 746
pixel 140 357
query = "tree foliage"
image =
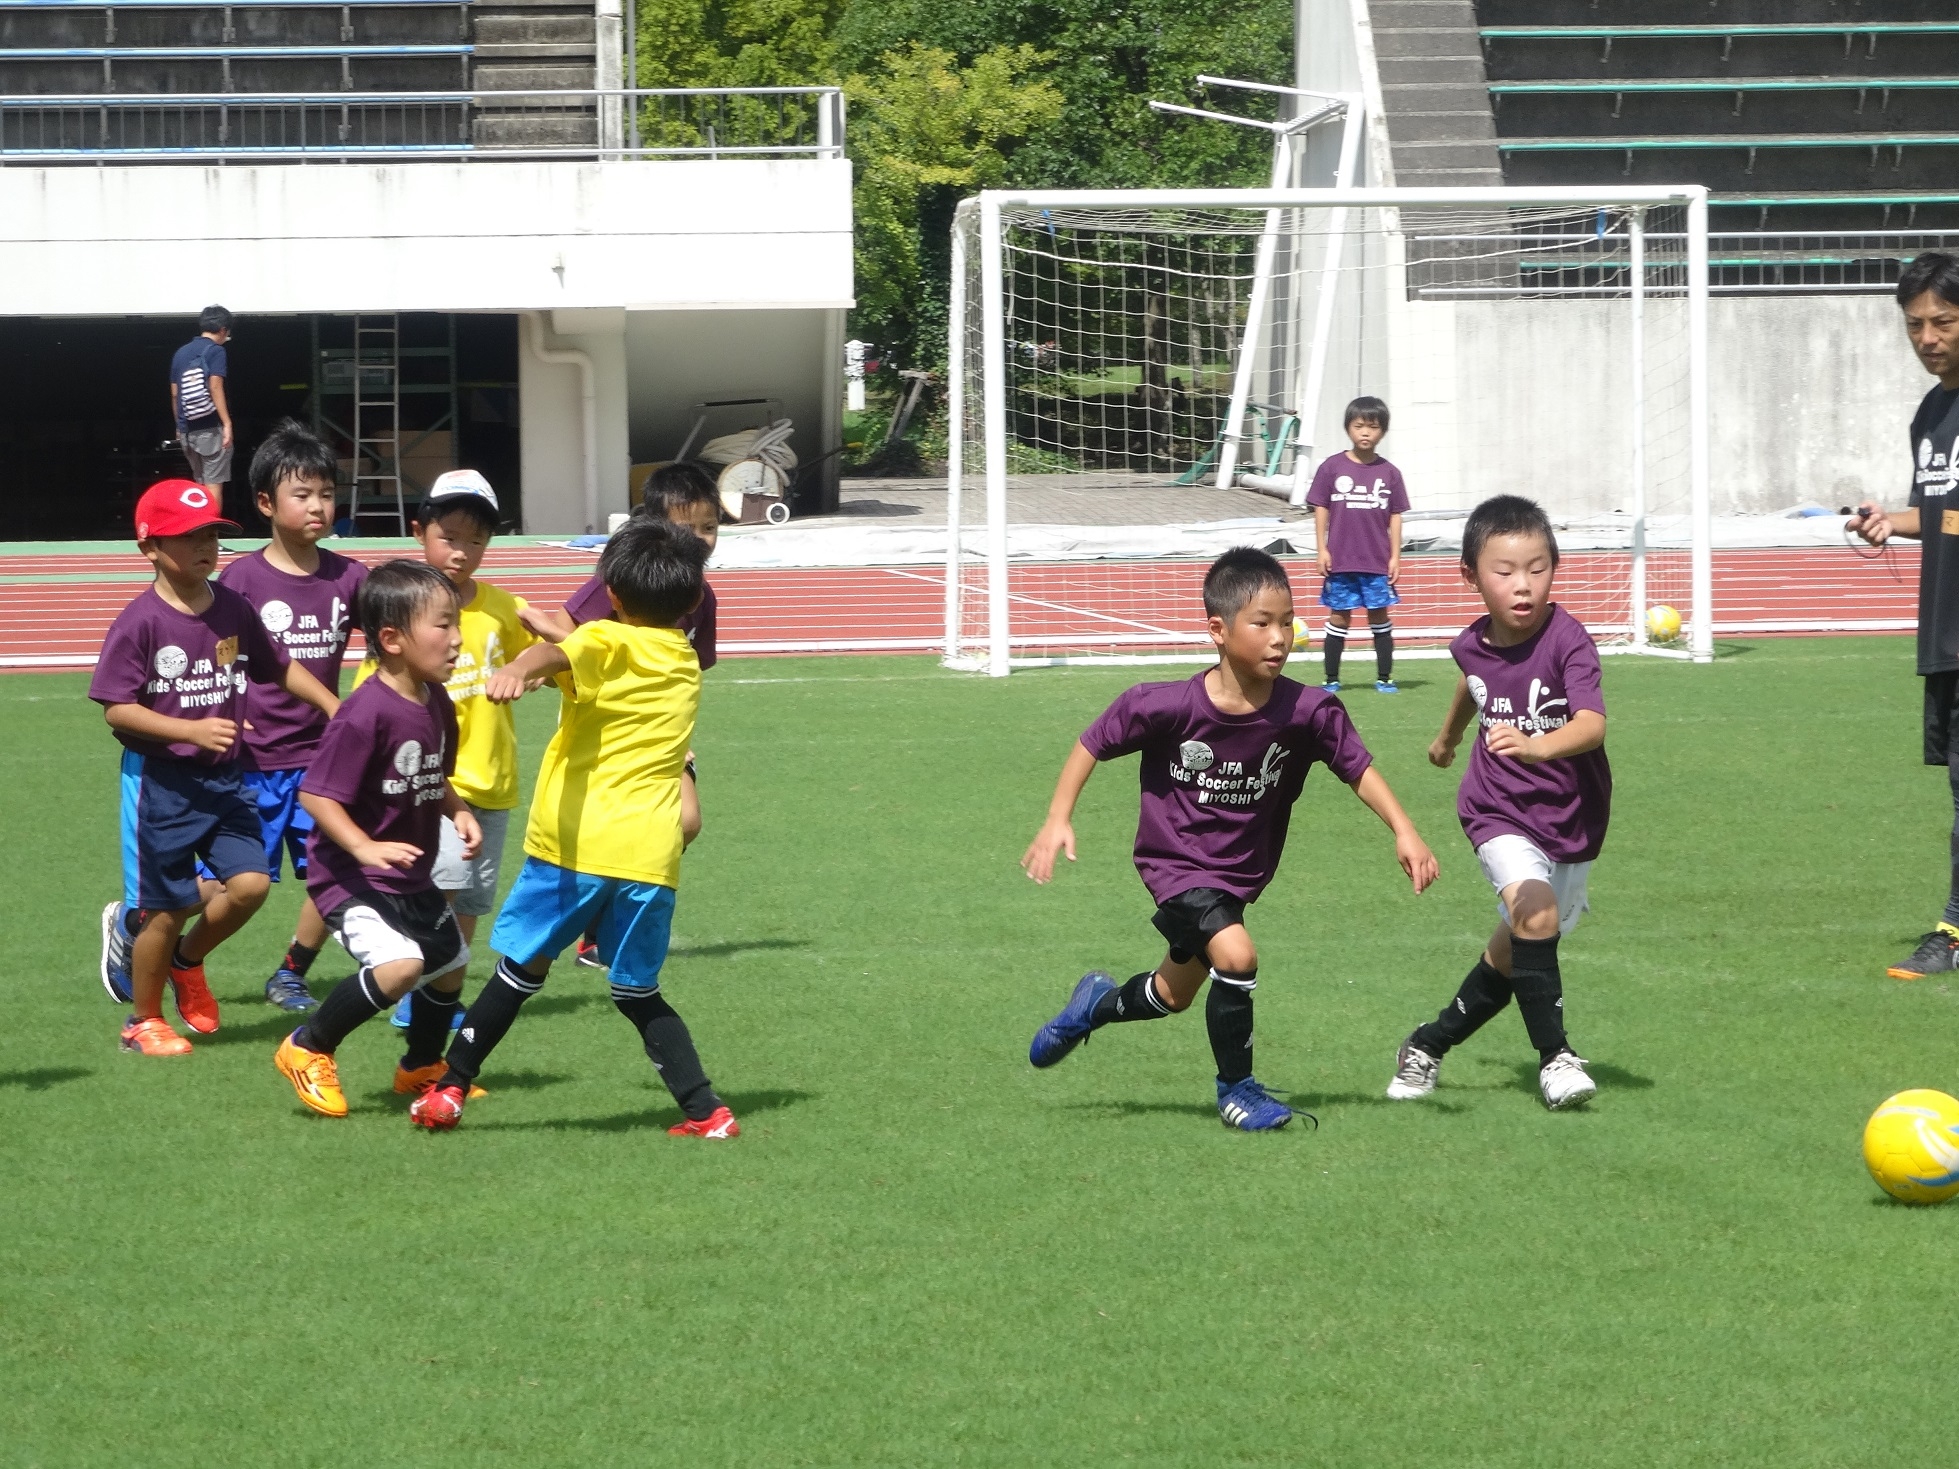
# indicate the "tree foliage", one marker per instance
pixel 948 98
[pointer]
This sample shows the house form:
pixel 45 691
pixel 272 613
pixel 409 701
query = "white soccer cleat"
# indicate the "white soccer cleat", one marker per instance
pixel 1563 1081
pixel 1415 1072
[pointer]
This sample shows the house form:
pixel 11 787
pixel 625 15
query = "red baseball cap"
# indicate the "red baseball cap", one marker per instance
pixel 176 507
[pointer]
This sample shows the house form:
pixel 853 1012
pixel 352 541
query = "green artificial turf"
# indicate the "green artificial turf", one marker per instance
pixel 923 1252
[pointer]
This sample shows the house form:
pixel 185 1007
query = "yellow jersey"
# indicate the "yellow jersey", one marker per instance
pixel 608 793
pixel 486 741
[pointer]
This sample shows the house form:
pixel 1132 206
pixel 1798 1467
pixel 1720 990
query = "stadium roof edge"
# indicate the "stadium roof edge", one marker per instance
pixel 1501 196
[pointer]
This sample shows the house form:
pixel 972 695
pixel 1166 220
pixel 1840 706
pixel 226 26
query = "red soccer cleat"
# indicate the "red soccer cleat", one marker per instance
pixel 718 1123
pixel 438 1109
pixel 194 999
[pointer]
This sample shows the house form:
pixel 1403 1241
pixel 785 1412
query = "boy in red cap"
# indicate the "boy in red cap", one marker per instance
pixel 171 679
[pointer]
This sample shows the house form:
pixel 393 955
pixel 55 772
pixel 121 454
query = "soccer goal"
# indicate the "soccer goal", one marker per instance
pixel 1139 380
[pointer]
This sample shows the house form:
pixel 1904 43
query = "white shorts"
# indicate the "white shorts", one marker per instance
pixel 1510 859
pixel 471 882
pixel 381 928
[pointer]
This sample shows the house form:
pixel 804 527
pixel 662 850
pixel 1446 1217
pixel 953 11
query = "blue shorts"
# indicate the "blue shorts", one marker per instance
pixel 1342 591
pixel 549 907
pixel 175 813
pixel 283 823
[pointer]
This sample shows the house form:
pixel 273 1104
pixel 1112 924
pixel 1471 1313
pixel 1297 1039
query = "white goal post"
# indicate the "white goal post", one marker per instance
pixel 1140 378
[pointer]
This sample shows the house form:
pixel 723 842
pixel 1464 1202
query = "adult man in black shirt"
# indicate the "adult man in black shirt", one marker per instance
pixel 1928 290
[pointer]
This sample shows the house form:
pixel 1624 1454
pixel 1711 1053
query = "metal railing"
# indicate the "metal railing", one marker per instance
pixel 316 127
pixel 1740 263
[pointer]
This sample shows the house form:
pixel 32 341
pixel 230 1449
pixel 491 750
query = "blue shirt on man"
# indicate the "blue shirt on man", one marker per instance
pixel 196 363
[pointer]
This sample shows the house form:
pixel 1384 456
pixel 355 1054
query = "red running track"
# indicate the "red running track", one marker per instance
pixel 61 624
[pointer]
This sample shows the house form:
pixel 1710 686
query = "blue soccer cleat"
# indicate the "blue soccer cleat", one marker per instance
pixel 1386 686
pixel 116 948
pixel 1332 686
pixel 1070 1028
pixel 287 989
pixel 1248 1107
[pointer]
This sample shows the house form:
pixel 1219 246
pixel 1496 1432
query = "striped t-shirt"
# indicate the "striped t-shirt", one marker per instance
pixel 196 363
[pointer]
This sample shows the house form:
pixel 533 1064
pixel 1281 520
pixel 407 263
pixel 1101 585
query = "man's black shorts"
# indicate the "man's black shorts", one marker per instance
pixel 1191 919
pixel 1941 717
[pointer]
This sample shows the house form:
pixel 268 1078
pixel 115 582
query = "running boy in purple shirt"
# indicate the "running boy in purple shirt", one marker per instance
pixel 1358 499
pixel 305 597
pixel 378 792
pixel 172 680
pixel 1225 755
pixel 1535 799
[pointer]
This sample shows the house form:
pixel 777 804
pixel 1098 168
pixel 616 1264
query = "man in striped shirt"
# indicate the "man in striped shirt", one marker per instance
pixel 197 397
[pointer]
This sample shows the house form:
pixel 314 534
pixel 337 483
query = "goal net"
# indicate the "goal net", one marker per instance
pixel 1141 380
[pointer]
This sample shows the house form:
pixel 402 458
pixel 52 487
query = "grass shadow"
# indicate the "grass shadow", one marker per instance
pixel 731 947
pixel 1316 1101
pixel 743 1104
pixel 267 1028
pixel 562 1002
pixel 1146 1109
pixel 509 1081
pixel 41 1078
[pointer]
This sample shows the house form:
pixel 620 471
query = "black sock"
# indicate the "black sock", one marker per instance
pixel 670 1048
pixel 591 935
pixel 1335 644
pixel 429 1016
pixel 1484 993
pixel 178 961
pixel 1136 1000
pixel 1540 993
pixel 1384 651
pixel 1952 901
pixel 299 959
pixel 133 920
pixel 354 1001
pixel 487 1021
pixel 1228 1018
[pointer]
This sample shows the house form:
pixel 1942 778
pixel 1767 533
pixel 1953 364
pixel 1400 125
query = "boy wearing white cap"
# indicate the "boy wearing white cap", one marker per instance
pixel 454 525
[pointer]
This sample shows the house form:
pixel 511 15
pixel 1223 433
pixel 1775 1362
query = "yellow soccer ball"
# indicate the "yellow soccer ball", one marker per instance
pixel 1911 1146
pixel 1302 640
pixel 1662 623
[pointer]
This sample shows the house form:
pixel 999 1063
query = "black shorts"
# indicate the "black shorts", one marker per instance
pixel 1194 917
pixel 1941 717
pixel 381 928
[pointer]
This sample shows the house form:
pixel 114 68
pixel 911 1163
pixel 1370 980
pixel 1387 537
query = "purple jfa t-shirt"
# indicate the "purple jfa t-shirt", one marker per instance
pixel 310 617
pixel 590 603
pixel 1560 805
pixel 387 759
pixel 1359 499
pixel 1218 788
pixel 185 667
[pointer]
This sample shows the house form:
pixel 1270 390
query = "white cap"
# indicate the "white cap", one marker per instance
pixel 458 484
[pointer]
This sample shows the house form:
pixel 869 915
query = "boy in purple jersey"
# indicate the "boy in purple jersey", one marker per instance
pixel 378 791
pixel 1536 797
pixel 685 494
pixel 172 681
pixel 1225 755
pixel 305 598
pixel 1358 499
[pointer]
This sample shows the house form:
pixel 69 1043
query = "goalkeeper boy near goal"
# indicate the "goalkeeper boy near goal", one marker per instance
pixel 1224 757
pixel 1358 499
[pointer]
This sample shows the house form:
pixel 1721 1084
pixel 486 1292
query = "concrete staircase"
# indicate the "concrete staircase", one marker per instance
pixel 1440 131
pixel 535 46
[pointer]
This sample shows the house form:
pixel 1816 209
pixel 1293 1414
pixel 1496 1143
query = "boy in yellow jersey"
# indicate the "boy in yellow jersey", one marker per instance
pixel 604 837
pixel 455 525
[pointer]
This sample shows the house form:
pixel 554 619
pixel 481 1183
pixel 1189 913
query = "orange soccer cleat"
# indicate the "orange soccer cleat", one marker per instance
pixel 314 1076
pixel 153 1037
pixel 718 1123
pixel 417 1080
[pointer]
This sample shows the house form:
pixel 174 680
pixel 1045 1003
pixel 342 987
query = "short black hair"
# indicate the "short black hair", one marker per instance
pixel 1367 410
pixel 394 592
pixel 291 451
pixel 675 486
pixel 213 319
pixel 475 507
pixel 1239 575
pixel 1505 515
pixel 654 568
pixel 1934 271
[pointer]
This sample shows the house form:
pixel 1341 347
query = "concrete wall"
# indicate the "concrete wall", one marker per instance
pixel 429 236
pixel 1811 396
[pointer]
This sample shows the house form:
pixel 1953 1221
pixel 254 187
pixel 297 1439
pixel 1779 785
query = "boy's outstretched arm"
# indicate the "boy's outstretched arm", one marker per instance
pixel 1442 753
pixel 332 819
pixel 553 627
pixel 302 685
pixel 1057 833
pixel 1586 731
pixel 1409 849
pixel 539 660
